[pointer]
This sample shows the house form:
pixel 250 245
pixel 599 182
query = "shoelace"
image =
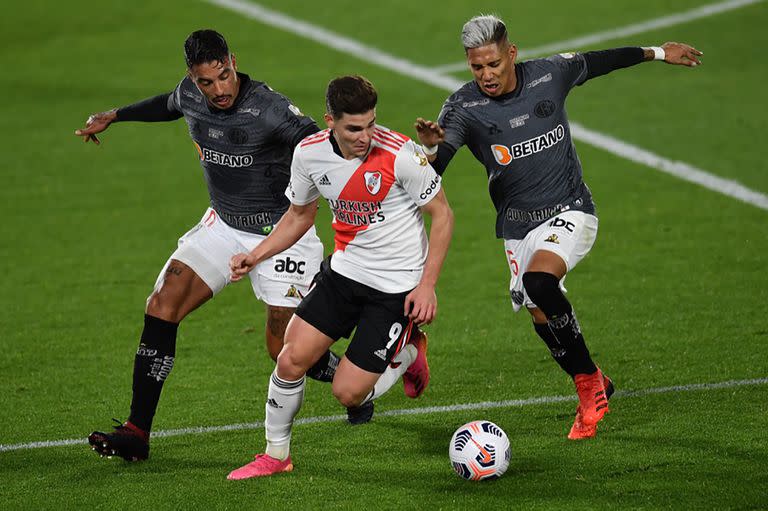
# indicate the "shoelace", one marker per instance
pixel 269 460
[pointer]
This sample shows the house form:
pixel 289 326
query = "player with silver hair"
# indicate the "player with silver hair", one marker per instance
pixel 512 118
pixel 483 30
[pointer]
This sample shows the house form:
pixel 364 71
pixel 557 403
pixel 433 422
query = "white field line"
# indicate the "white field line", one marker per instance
pixel 678 169
pixel 426 75
pixel 337 42
pixel 618 33
pixel 485 405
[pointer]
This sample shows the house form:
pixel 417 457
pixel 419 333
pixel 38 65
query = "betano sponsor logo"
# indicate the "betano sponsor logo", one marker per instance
pixel 227 160
pixel 504 155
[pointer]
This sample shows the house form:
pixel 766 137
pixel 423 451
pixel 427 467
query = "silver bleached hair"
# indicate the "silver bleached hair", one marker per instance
pixel 483 30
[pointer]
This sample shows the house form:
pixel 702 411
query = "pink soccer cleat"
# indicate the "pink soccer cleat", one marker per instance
pixel 262 465
pixel 416 378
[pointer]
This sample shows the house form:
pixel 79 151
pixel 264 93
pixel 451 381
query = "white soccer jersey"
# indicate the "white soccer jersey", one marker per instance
pixel 379 230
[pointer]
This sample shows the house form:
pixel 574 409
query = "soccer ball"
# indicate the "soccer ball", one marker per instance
pixel 479 450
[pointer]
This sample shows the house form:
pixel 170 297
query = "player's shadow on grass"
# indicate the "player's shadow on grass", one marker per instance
pixel 433 436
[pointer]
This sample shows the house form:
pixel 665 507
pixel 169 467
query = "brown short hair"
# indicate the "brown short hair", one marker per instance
pixel 350 95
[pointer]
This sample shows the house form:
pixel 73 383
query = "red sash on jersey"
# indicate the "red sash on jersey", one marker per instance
pixel 370 182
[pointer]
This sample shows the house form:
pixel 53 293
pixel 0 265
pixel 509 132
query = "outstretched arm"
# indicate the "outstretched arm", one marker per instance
pixel 421 303
pixel 291 227
pixel 602 62
pixel 153 109
pixel 679 54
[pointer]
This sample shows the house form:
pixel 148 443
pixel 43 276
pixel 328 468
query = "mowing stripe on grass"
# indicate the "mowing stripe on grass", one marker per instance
pixel 618 33
pixel 484 405
pixel 429 76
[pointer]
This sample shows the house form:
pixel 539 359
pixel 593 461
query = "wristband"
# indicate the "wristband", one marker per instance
pixel 658 53
pixel 429 150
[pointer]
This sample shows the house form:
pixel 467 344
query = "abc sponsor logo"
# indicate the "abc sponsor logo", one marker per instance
pixel 559 222
pixel 288 265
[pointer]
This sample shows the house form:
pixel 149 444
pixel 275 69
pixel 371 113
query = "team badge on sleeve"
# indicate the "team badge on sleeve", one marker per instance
pixel 419 157
pixel 373 181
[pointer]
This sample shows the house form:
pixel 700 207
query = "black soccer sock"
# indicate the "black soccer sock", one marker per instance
pixel 544 290
pixel 556 349
pixel 325 368
pixel 153 362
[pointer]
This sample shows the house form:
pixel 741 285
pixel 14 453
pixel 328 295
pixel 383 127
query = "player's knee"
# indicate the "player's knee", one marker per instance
pixel 539 285
pixel 162 306
pixel 273 351
pixel 289 364
pixel 346 395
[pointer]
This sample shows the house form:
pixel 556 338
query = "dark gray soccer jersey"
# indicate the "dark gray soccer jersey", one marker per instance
pixel 245 150
pixel 524 141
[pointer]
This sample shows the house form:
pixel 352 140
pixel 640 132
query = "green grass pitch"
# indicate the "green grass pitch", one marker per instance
pixel 672 295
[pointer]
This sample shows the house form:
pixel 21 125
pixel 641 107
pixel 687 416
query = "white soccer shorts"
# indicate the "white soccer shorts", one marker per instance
pixel 570 235
pixel 281 280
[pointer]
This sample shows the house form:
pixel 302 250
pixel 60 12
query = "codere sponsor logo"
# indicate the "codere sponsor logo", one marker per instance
pixel 430 188
pixel 227 160
pixel 504 155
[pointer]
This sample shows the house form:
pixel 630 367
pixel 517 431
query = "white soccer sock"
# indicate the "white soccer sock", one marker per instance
pixel 390 375
pixel 284 400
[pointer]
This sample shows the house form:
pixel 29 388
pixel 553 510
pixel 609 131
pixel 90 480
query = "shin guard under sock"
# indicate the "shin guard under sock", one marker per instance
pixel 284 400
pixel 557 350
pixel 544 290
pixel 152 365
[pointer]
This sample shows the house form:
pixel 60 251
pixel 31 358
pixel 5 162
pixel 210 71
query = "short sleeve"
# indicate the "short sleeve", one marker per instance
pixel 452 120
pixel 290 126
pixel 301 189
pixel 174 100
pixel 415 174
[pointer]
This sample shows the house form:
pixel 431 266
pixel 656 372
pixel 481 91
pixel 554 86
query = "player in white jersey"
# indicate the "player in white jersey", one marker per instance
pixel 380 279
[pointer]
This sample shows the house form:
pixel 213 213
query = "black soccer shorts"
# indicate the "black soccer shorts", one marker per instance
pixel 335 305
